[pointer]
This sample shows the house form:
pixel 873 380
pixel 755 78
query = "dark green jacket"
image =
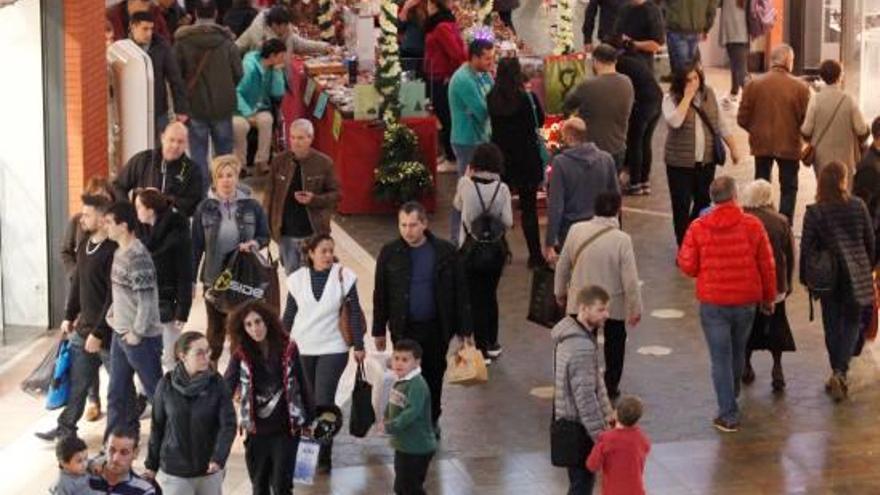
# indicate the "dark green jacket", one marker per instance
pixel 211 90
pixel 690 16
pixel 408 417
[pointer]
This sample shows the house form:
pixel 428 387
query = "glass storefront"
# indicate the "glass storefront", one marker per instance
pixel 860 52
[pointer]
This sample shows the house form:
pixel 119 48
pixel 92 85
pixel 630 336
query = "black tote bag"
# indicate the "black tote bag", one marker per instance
pixel 543 309
pixel 362 414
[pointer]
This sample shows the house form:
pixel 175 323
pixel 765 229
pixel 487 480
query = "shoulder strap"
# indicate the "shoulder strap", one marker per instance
pixel 191 82
pixel 589 241
pixel 830 121
pixel 705 119
pixel 555 348
pixel 534 109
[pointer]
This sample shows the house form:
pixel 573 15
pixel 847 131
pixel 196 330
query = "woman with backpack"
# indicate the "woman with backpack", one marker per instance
pixel 486 216
pixel 837 260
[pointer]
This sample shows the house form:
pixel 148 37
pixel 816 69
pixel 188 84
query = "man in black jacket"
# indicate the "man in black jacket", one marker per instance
pixel 165 69
pixel 84 322
pixel 866 182
pixel 607 11
pixel 211 67
pixel 167 169
pixel 421 294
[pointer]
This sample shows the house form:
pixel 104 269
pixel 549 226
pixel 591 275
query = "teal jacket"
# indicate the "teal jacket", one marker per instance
pixel 408 416
pixel 689 16
pixel 467 103
pixel 258 86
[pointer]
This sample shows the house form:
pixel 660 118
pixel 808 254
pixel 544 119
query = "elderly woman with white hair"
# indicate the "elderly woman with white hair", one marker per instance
pixel 226 221
pixel 302 195
pixel 771 332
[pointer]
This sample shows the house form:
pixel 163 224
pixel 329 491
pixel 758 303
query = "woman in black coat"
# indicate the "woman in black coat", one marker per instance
pixel 193 423
pixel 516 114
pixel 166 235
pixel 771 333
pixel 840 224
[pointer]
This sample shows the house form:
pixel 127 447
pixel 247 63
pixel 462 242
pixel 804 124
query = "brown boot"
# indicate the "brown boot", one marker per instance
pixel 93 412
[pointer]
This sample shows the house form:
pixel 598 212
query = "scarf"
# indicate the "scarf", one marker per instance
pixel 190 386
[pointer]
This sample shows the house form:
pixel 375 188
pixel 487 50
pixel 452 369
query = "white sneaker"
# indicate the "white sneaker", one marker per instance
pixel 730 101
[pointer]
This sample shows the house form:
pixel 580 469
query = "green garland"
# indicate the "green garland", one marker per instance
pixel 401 176
pixel 388 71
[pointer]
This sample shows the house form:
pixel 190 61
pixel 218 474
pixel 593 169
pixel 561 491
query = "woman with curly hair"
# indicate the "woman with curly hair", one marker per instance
pixel 265 369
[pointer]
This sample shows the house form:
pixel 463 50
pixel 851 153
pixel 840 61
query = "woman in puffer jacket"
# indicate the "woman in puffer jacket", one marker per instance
pixel 265 368
pixel 166 235
pixel 193 423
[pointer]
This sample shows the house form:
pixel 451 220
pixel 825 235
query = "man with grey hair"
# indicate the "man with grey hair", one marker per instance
pixel 773 108
pixel 729 254
pixel 302 196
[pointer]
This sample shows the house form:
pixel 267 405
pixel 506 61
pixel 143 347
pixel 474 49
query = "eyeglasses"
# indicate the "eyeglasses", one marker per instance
pixel 199 352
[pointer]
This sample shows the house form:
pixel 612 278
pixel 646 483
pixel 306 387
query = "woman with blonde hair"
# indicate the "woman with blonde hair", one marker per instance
pixel 771 332
pixel 229 219
pixel 838 227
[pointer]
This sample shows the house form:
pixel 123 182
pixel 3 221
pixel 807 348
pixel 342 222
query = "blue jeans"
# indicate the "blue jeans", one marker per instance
pixel 684 49
pixel 290 249
pixel 84 370
pixel 580 481
pixel 219 132
pixel 463 155
pixel 727 330
pixel 840 319
pixel 145 359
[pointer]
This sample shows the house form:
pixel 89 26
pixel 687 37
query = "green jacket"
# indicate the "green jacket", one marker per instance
pixel 408 416
pixel 258 86
pixel 467 104
pixel 689 16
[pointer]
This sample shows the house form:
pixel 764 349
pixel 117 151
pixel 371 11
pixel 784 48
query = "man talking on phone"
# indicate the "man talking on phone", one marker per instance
pixel 302 196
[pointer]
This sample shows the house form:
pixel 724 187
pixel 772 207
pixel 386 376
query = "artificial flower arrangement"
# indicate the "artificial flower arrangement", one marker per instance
pixel 563 35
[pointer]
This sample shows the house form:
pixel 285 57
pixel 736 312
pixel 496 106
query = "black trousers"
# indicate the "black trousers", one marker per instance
pixel 216 331
pixel 483 293
pixel 270 460
pixel 689 192
pixel 528 206
pixel 615 351
pixel 429 335
pixel 410 471
pixel 639 154
pixel 738 53
pixel 788 181
pixel 440 99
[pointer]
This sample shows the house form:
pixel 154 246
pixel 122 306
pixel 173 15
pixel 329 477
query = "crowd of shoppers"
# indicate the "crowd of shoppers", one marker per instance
pixel 133 263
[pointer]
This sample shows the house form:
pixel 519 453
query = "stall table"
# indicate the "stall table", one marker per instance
pixel 355 146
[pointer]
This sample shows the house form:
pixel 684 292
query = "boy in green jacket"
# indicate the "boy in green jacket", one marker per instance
pixel 408 420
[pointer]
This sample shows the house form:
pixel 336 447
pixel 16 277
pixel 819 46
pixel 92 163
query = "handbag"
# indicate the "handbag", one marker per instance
pixel 246 276
pixel 40 379
pixel 543 309
pixel 345 303
pixel 569 442
pixel 808 154
pixel 362 414
pixel 59 389
pixel 467 367
pixel 719 153
pixel 543 152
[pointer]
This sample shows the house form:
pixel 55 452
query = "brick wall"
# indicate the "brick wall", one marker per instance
pixel 85 86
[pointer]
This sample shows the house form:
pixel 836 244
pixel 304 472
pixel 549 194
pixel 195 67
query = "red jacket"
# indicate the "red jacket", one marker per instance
pixel 621 454
pixel 729 253
pixel 118 17
pixel 444 51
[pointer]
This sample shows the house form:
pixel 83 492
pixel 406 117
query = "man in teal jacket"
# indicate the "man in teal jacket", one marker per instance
pixel 263 82
pixel 468 88
pixel 687 23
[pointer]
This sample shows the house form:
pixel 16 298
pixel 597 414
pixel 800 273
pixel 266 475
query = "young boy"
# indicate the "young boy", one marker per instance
pixel 72 456
pixel 408 420
pixel 621 452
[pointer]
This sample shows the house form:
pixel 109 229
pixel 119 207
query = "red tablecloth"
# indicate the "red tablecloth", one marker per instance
pixel 357 148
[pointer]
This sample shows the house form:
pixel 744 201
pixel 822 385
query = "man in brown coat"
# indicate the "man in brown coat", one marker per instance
pixel 303 192
pixel 773 109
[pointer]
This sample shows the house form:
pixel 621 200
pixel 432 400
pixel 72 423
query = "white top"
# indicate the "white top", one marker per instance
pixel 316 326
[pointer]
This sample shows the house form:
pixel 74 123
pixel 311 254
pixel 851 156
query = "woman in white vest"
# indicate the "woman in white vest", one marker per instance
pixel 316 294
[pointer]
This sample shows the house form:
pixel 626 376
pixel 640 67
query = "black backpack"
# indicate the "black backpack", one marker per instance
pixel 485 247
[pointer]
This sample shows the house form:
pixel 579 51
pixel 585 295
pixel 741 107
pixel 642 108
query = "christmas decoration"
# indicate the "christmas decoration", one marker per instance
pixel 563 35
pixel 400 177
pixel 388 70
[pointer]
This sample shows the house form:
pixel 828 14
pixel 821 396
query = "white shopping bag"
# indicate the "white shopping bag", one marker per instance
pixel 306 461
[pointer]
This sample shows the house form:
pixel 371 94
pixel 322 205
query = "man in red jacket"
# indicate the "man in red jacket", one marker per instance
pixel 729 254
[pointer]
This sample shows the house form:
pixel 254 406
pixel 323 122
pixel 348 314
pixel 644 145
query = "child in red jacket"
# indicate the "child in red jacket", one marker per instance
pixel 621 452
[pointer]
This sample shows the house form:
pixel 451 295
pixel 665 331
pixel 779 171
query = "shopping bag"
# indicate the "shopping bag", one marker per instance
pixel 362 414
pixel 306 462
pixel 59 389
pixel 543 309
pixel 38 382
pixel 467 367
pixel 245 276
pixel 562 74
